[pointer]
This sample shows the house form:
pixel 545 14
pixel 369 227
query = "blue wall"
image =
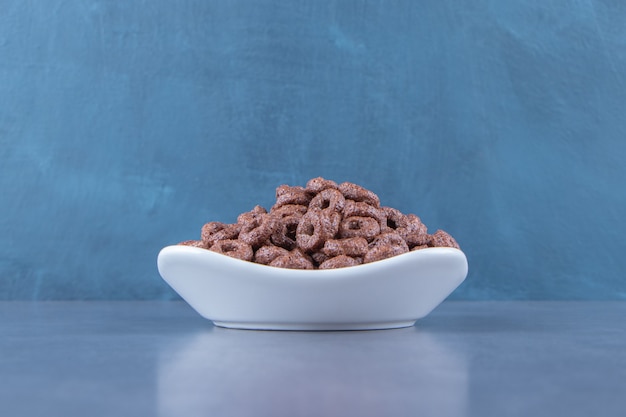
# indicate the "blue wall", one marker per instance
pixel 125 125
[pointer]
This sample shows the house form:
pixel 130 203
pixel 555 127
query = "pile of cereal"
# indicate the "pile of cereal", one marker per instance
pixel 321 226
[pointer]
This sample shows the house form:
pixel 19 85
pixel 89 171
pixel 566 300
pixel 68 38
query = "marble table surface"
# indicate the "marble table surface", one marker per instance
pixel 161 359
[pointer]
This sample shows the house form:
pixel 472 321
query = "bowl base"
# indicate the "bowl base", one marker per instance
pixel 314 326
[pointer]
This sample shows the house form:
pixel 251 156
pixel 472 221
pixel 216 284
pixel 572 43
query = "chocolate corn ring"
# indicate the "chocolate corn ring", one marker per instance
pixel 385 246
pixel 415 233
pixel 358 226
pixel 250 216
pixel 257 230
pixel 234 249
pixel 288 210
pixel 329 199
pixel 293 260
pixel 287 219
pixel 316 185
pixel 284 234
pixel 315 228
pixel 409 226
pixel 195 243
pixel 319 258
pixel 351 246
pixel 216 231
pixel 341 261
pixel 442 239
pixel 394 218
pixel 266 254
pixel 362 209
pixel 358 193
pixel 286 194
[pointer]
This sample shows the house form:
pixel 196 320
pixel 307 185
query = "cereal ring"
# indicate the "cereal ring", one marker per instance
pixel 258 231
pixel 442 239
pixel 287 219
pixel 289 210
pixel 316 185
pixel 415 232
pixel 351 246
pixel 362 209
pixel 284 234
pixel 394 218
pixel 266 254
pixel 251 215
pixel 315 228
pixel 409 226
pixel 357 226
pixel 309 234
pixel 385 246
pixel 212 227
pixel 331 221
pixel 418 247
pixel 234 249
pixel 330 199
pixel 215 231
pixel 319 257
pixel 195 243
pixel 293 260
pixel 341 261
pixel 259 209
pixel 286 194
pixel 358 193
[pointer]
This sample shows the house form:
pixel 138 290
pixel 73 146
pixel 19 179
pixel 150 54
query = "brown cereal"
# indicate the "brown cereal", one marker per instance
pixel 341 261
pixel 316 185
pixel 351 246
pixel 409 226
pixel 293 260
pixel 287 219
pixel 315 228
pixel 330 199
pixel 257 230
pixel 309 233
pixel 215 231
pixel 358 193
pixel 195 243
pixel 286 194
pixel 395 218
pixel 362 209
pixel 415 232
pixel 211 228
pixel 357 226
pixel 334 221
pixel 256 210
pixel 323 225
pixel 385 246
pixel 266 254
pixel 442 239
pixel 234 249
pixel 284 234
pixel 289 210
pixel 251 216
pixel 319 257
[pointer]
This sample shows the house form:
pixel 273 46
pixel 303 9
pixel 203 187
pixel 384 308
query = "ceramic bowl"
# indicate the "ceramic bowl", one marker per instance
pixel 390 293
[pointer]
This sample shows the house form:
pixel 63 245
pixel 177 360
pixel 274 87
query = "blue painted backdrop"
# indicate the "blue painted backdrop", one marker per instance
pixel 125 125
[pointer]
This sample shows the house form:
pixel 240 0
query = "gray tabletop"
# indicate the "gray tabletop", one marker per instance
pixel 162 359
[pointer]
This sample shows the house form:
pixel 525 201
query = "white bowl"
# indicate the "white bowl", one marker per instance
pixel 386 294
